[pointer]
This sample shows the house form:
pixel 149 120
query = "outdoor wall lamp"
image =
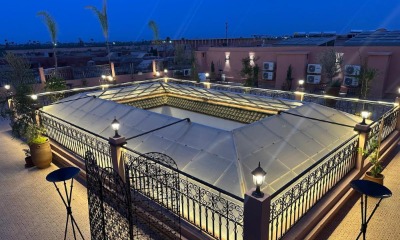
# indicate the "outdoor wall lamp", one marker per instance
pixel 115 127
pixel 157 73
pixel 301 82
pixel 227 56
pixel 7 87
pixel 34 97
pixel 165 71
pixel 258 179
pixel 364 115
pixel 207 75
pixel 398 90
pixel 108 77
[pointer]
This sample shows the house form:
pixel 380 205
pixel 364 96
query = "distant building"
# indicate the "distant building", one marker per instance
pixel 380 48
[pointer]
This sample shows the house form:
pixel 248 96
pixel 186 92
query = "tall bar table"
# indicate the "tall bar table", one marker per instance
pixel 369 189
pixel 63 175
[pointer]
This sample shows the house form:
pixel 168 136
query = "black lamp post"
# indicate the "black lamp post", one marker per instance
pixel 115 127
pixel 258 179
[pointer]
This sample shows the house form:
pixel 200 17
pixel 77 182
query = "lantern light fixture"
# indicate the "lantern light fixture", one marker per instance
pixel 258 179
pixel 364 115
pixel 115 126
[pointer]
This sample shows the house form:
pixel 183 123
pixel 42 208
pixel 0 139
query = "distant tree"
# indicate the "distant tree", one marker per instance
pixel 366 76
pixel 289 77
pixel 249 72
pixel 331 62
pixel 81 43
pixel 103 19
pixel 153 26
pixel 55 83
pixel 212 75
pixel 20 78
pixel 180 58
pixel 53 30
pixel 193 71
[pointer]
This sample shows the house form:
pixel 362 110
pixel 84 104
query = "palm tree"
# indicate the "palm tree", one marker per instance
pixel 153 26
pixel 102 16
pixel 53 30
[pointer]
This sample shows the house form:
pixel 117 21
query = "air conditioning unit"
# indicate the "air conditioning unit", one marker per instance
pixel 177 73
pixel 187 72
pixel 353 70
pixel 313 79
pixel 350 81
pixel 268 66
pixel 314 68
pixel 268 75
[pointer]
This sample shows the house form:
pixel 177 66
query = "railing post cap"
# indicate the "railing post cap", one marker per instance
pixel 362 128
pixel 249 194
pixel 117 141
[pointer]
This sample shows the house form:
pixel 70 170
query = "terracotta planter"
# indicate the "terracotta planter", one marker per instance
pixel 41 154
pixel 379 179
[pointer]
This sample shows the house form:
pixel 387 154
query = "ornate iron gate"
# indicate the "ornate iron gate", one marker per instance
pixel 109 202
pixel 155 186
pixel 145 206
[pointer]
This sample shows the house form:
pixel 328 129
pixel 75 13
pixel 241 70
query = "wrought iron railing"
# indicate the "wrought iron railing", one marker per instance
pixel 125 68
pixel 91 71
pixel 63 72
pixel 296 198
pixel 77 139
pixel 30 76
pixel 389 121
pixel 349 105
pixel 210 209
pixel 220 213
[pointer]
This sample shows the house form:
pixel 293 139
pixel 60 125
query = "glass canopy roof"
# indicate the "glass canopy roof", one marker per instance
pixel 284 144
pixel 147 89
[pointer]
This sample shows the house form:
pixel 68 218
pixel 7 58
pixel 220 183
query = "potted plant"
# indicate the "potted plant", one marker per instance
pixel 39 145
pixel 374 174
pixel 21 114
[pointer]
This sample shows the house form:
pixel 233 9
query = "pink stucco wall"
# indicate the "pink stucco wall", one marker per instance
pixel 386 59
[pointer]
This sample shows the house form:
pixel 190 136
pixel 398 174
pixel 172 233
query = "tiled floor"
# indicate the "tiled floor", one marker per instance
pixel 385 223
pixel 30 207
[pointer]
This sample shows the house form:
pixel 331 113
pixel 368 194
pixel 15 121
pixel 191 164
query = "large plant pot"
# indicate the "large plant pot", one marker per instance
pixel 41 154
pixel 332 91
pixel 379 179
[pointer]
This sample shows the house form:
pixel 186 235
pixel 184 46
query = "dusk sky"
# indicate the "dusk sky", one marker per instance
pixel 194 18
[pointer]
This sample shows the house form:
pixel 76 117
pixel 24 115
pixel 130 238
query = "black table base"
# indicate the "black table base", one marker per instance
pixel 369 189
pixel 64 174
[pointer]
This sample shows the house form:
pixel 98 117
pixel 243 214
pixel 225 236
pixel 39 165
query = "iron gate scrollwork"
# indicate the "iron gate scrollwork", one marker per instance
pixel 144 206
pixel 154 185
pixel 109 198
